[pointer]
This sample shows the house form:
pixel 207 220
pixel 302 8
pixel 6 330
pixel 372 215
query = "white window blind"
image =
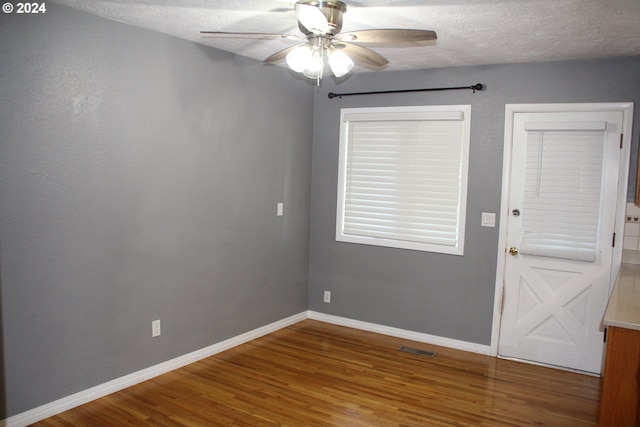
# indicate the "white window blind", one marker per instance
pixel 403 178
pixel 562 198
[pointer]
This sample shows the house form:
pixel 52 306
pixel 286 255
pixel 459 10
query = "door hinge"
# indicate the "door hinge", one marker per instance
pixel 613 241
pixel 621 136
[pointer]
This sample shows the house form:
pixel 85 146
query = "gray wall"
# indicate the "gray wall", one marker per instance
pixel 139 176
pixel 442 295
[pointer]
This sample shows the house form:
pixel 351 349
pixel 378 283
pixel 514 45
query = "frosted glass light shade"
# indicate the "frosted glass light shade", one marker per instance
pixel 313 70
pixel 299 58
pixel 340 63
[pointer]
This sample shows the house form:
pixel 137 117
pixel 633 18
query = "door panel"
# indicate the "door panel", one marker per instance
pixel 562 204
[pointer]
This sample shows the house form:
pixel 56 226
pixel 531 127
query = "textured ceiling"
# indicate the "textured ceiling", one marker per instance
pixel 470 32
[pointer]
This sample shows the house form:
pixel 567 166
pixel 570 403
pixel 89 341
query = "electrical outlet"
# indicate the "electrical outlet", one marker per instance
pixel 155 328
pixel 280 209
pixel 327 296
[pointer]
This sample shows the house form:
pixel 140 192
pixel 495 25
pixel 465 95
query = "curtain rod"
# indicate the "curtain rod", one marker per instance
pixel 474 88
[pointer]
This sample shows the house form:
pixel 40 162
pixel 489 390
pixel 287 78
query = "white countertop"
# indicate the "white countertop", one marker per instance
pixel 623 309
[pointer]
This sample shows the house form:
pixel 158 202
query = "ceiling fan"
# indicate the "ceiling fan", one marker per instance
pixel 320 23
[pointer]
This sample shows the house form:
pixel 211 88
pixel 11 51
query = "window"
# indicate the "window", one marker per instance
pixel 402 179
pixel 562 220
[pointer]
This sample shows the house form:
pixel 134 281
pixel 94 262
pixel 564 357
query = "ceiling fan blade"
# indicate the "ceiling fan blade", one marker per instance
pixel 312 18
pixel 387 36
pixel 264 36
pixel 280 55
pixel 363 56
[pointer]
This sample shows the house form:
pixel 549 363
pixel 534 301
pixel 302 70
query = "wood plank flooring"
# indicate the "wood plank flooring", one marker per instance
pixel 318 374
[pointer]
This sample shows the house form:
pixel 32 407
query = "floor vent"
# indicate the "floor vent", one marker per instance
pixel 417 351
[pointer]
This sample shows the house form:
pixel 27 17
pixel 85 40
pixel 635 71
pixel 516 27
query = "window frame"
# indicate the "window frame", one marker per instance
pixel 433 110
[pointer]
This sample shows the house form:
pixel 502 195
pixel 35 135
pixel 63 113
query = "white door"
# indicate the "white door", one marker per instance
pixel 562 209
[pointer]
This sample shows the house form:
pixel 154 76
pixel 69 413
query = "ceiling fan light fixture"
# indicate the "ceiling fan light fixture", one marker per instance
pixel 299 58
pixel 320 22
pixel 340 63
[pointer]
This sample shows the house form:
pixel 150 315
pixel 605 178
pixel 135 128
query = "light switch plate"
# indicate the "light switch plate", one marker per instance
pixel 488 219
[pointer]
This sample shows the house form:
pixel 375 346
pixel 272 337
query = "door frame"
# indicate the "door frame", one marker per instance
pixel 510 110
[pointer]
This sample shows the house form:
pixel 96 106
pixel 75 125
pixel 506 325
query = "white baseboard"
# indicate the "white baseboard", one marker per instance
pixel 401 333
pixel 77 399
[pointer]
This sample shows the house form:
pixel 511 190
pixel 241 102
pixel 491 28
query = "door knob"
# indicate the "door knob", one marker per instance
pixel 513 251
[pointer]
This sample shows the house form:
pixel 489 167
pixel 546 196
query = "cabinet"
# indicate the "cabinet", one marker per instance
pixel 620 406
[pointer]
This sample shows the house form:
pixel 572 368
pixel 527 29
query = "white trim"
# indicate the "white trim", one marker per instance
pixel 510 110
pixel 625 156
pixel 80 398
pixel 401 333
pixel 85 396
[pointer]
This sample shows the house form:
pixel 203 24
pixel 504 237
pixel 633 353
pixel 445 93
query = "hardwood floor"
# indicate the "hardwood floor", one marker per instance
pixel 318 374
